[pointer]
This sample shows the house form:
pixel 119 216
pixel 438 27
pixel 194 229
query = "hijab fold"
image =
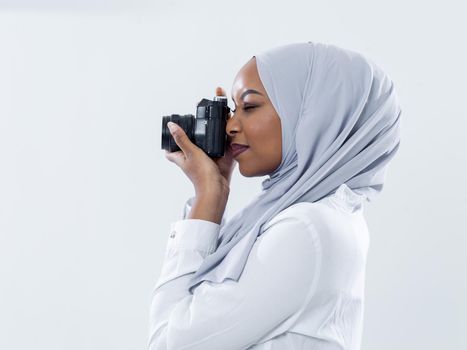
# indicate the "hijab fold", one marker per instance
pixel 340 124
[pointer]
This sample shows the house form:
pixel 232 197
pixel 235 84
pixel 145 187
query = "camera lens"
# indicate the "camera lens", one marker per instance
pixel 186 122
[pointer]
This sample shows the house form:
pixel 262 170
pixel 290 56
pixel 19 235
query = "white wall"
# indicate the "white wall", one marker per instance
pixel 87 196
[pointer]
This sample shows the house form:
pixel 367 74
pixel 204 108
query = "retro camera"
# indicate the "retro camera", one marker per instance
pixel 206 130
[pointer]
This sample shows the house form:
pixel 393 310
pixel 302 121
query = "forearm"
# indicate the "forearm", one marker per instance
pixel 209 205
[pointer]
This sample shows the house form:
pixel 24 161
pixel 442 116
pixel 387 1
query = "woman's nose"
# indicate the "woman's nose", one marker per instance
pixel 232 125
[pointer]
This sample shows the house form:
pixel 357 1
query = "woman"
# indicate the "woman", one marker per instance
pixel 287 271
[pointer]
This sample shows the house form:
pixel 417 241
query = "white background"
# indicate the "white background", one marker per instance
pixel 87 196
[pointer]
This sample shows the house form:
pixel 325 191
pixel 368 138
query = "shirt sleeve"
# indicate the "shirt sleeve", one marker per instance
pixel 274 285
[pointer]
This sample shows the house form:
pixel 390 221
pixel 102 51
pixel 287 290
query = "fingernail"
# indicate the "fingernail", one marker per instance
pixel 171 126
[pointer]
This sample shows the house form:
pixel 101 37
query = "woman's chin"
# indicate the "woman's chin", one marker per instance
pixel 245 171
pixel 241 169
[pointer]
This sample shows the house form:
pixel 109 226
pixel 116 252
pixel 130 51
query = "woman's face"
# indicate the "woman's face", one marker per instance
pixel 254 123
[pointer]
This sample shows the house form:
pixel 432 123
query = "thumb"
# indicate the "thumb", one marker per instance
pixel 181 139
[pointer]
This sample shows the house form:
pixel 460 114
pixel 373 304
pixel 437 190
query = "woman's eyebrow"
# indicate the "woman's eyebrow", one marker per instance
pixel 249 91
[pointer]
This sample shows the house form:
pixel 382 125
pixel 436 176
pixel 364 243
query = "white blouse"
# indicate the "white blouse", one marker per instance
pixel 302 286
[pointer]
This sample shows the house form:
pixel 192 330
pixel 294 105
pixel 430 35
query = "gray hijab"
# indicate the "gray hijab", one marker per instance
pixel 340 121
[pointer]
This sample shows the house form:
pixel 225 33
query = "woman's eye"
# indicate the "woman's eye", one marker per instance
pixel 245 108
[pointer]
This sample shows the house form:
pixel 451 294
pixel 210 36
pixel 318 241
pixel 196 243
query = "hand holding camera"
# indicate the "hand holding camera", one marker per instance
pixel 200 146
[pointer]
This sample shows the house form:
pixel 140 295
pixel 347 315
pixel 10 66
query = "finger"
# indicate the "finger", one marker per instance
pixel 175 157
pixel 220 91
pixel 181 139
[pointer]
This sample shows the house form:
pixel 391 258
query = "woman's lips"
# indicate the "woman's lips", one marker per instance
pixel 237 149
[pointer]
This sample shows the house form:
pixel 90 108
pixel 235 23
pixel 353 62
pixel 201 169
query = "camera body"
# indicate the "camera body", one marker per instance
pixel 206 130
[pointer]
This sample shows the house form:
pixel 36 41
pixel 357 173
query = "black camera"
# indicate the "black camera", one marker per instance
pixel 207 130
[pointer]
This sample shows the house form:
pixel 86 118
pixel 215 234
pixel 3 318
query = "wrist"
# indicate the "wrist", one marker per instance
pixel 209 207
pixel 214 188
